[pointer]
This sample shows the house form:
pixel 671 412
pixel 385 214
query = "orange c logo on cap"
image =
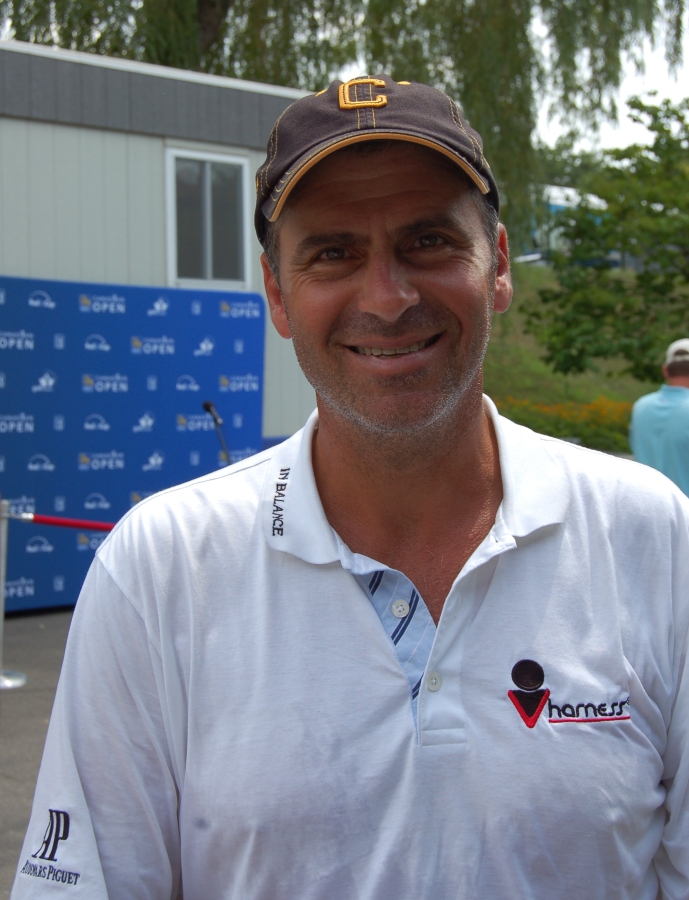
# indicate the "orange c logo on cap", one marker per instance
pixel 347 102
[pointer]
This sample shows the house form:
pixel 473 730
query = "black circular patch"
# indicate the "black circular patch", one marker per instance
pixel 528 675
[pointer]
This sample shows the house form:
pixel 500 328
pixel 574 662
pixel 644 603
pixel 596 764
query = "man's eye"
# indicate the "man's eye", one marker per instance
pixel 429 240
pixel 333 253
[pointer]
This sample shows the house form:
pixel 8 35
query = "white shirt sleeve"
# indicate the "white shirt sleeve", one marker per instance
pixel 104 824
pixel 672 858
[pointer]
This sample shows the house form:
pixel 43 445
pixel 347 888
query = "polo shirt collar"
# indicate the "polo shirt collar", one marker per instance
pixel 292 515
pixel 676 390
pixel 536 491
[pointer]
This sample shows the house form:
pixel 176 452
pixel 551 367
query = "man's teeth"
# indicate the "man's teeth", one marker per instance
pixel 390 351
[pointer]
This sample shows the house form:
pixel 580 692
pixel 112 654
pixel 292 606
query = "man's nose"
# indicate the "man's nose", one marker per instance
pixel 386 291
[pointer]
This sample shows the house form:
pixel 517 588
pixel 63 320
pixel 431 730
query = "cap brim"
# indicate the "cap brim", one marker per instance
pixel 315 155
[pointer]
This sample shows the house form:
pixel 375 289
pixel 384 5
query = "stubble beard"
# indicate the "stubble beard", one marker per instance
pixel 400 431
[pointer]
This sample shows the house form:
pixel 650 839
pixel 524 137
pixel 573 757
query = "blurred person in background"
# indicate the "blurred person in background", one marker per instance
pixel 659 430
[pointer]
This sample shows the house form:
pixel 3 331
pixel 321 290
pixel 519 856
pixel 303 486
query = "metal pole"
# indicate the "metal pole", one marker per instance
pixel 217 423
pixel 223 445
pixel 7 679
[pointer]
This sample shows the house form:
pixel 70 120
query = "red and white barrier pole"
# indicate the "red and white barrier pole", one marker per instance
pixel 17 679
pixel 84 524
pixel 8 679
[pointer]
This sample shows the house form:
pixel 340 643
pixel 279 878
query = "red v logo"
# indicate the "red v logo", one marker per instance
pixel 529 704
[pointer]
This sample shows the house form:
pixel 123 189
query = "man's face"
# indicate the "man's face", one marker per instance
pixel 386 286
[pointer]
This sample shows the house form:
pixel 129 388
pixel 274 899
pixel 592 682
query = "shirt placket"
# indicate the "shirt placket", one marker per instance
pixel 406 620
pixel 441 716
pixel 421 648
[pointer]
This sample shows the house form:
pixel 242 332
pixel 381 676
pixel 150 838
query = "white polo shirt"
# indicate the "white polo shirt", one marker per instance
pixel 239 717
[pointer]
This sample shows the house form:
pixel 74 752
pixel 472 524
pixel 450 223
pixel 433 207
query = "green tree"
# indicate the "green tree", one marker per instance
pixel 497 57
pixel 624 282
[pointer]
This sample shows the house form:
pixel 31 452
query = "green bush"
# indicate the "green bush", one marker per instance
pixel 601 425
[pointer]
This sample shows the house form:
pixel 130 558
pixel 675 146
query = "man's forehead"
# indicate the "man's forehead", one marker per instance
pixel 379 169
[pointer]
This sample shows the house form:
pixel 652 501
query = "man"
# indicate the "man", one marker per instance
pixel 341 669
pixel 659 431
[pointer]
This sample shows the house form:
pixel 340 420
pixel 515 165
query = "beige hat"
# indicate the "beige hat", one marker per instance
pixel 678 351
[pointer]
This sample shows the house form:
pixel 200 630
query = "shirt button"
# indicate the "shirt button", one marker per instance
pixel 433 682
pixel 400 608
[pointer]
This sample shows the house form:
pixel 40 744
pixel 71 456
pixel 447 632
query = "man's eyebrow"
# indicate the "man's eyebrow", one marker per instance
pixel 442 221
pixel 328 239
pixel 348 238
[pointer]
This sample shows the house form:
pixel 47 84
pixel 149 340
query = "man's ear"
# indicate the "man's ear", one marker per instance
pixel 275 301
pixel 503 278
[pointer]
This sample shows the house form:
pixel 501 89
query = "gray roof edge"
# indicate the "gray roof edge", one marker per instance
pixel 142 68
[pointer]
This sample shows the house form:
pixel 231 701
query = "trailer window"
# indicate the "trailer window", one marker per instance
pixel 209 240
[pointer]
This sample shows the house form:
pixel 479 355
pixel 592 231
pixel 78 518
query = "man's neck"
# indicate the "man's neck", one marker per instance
pixel 678 381
pixel 421 512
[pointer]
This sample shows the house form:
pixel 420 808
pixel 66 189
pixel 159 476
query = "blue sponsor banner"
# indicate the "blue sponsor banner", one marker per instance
pixel 101 393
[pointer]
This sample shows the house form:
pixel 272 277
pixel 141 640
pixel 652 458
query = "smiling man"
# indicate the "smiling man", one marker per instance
pixel 386 280
pixel 416 652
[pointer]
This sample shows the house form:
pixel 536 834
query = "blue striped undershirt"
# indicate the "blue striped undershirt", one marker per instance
pixel 413 635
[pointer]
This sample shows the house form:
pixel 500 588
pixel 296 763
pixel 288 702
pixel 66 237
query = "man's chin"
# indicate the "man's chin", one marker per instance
pixel 400 416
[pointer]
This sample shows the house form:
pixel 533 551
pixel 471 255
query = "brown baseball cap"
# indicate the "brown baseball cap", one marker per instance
pixel 365 109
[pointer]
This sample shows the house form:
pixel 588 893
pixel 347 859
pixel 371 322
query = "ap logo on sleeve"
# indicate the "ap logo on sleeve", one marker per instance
pixel 57 831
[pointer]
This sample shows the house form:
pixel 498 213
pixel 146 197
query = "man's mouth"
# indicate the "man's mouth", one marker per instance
pixel 396 351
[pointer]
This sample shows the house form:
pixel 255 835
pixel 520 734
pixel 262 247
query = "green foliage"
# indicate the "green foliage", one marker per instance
pixel 90 25
pixel 301 43
pixel 514 367
pixel 167 33
pixel 590 406
pixel 601 425
pixel 624 285
pixel 486 54
pixel 561 165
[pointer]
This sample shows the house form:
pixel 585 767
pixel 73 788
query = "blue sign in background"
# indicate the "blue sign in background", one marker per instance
pixel 101 392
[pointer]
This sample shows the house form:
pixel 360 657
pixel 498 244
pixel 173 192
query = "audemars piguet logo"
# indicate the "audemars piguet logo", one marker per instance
pixel 530 698
pixel 57 830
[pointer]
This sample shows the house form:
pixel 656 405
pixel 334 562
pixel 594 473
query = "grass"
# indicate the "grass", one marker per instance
pixel 593 406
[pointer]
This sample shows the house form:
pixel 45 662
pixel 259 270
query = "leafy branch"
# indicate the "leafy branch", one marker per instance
pixel 624 282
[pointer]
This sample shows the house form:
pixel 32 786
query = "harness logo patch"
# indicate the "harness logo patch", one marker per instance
pixel 530 698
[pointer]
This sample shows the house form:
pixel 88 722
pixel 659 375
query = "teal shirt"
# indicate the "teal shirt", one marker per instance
pixel 659 433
